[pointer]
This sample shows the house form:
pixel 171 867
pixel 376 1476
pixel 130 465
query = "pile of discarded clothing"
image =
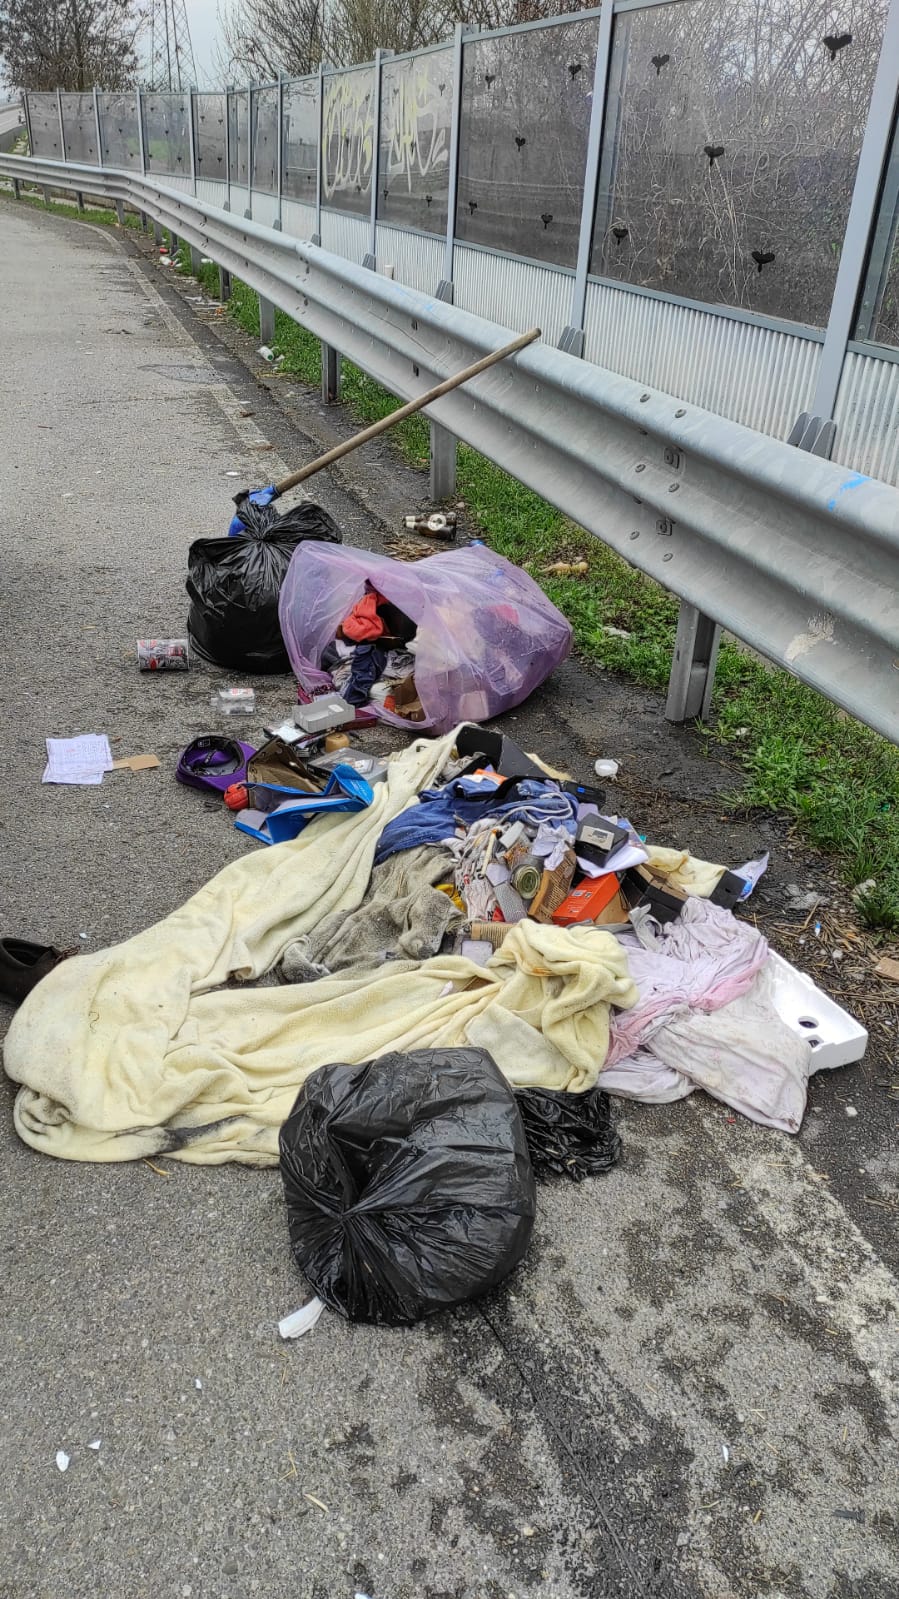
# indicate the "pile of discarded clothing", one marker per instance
pixel 473 955
pixel 461 636
pixel 372 657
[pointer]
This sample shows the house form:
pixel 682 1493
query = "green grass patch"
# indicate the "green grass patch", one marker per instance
pixel 61 208
pixel 803 758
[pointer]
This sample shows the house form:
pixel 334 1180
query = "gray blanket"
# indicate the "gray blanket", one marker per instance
pixel 403 917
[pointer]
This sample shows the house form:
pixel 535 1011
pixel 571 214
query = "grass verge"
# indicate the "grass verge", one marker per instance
pixel 61 208
pixel 837 780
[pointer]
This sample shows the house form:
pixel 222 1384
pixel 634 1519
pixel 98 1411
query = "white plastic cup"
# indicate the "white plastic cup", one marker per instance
pixel 607 769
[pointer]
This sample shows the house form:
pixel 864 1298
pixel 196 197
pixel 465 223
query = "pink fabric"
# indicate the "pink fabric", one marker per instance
pixel 700 962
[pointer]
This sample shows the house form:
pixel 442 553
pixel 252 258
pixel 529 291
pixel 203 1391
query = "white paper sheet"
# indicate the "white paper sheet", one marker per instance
pixel 81 760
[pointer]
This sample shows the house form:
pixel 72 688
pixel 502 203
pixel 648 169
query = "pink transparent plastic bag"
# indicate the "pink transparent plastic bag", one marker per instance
pixel 487 635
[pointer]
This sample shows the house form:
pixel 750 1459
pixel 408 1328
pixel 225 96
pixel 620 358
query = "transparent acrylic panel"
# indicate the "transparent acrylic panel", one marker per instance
pixel 79 125
pixel 300 135
pixel 43 113
pixel 879 312
pixel 167 133
pixel 209 135
pixel 732 136
pixel 526 101
pixel 119 131
pixel 238 123
pixel 348 139
pixel 265 140
pixel 416 112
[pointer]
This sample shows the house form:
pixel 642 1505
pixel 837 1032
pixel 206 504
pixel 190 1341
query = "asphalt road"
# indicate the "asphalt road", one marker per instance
pixel 689 1391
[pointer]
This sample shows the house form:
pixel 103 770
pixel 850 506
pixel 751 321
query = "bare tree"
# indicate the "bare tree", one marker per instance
pixel 69 44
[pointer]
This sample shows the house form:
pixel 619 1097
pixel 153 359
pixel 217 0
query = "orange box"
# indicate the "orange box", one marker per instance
pixel 587 902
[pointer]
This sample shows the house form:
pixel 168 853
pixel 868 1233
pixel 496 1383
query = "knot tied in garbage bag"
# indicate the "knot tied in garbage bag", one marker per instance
pixel 235 584
pixel 408 1183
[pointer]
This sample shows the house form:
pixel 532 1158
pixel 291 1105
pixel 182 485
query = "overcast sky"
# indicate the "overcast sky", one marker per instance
pixel 202 16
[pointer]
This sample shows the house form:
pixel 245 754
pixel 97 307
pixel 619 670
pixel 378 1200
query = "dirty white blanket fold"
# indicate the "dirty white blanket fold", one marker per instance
pixel 129 1052
pixel 90 1043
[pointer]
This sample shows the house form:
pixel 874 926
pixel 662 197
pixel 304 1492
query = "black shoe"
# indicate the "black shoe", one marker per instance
pixel 22 965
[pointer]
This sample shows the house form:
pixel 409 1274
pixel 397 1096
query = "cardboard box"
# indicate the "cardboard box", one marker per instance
pixel 588 901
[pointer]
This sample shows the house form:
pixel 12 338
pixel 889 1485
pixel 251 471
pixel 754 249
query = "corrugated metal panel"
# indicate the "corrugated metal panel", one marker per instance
pixel 748 373
pixel 265 208
pixel 211 192
pixel 516 293
pixel 416 258
pixel 298 219
pixel 867 417
pixel 345 235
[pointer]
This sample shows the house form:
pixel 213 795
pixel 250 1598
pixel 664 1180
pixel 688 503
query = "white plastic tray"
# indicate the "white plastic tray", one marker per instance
pixel 836 1038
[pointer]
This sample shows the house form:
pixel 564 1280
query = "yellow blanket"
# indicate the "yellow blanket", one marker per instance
pixel 137 1050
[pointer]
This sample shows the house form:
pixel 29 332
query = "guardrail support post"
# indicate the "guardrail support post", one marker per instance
pixel 157 233
pixel 572 336
pixel 445 286
pixel 224 284
pixel 17 194
pixel 79 199
pixel 330 374
pixel 120 212
pixel 693 667
pixel 443 463
pixel 47 196
pixel 266 321
pixel 196 260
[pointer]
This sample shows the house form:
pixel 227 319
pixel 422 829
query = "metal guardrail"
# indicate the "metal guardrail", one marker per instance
pixel 792 553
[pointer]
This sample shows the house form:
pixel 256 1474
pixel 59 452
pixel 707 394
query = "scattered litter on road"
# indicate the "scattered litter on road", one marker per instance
pixel 163 654
pixel 95 1443
pixel 889 968
pixel 62 1460
pixel 136 763
pixel 82 760
pixel 198 1384
pixel 607 769
pixel 267 353
pixel 301 1321
pixel 437 525
pixel 234 701
pixel 316 1502
pixel 851 1110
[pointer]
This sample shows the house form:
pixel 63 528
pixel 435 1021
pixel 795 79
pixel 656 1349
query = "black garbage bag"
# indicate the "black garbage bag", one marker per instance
pixel 234 584
pixel 408 1183
pixel 570 1135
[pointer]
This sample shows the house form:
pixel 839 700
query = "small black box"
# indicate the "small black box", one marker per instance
pixel 597 838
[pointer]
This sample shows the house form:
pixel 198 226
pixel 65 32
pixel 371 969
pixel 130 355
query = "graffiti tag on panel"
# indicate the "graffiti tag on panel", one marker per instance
pixel 416 120
pixel 348 144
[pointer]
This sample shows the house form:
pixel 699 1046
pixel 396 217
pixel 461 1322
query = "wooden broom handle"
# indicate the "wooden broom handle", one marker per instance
pixel 408 409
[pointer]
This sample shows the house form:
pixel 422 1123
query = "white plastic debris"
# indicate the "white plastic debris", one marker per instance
pixel 302 1320
pixel 198 1385
pixel 95 1443
pixel 725 1452
pixel 606 768
pixel 851 1110
pixel 62 1460
pixel 266 351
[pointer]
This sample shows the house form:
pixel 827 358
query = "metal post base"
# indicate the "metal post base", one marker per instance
pixel 47 198
pixel 16 189
pixel 224 284
pixel 119 211
pixel 266 321
pixel 79 199
pixel 693 667
pixel 174 245
pixel 144 222
pixel 443 463
pixel 196 260
pixel 330 374
pixel 157 233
